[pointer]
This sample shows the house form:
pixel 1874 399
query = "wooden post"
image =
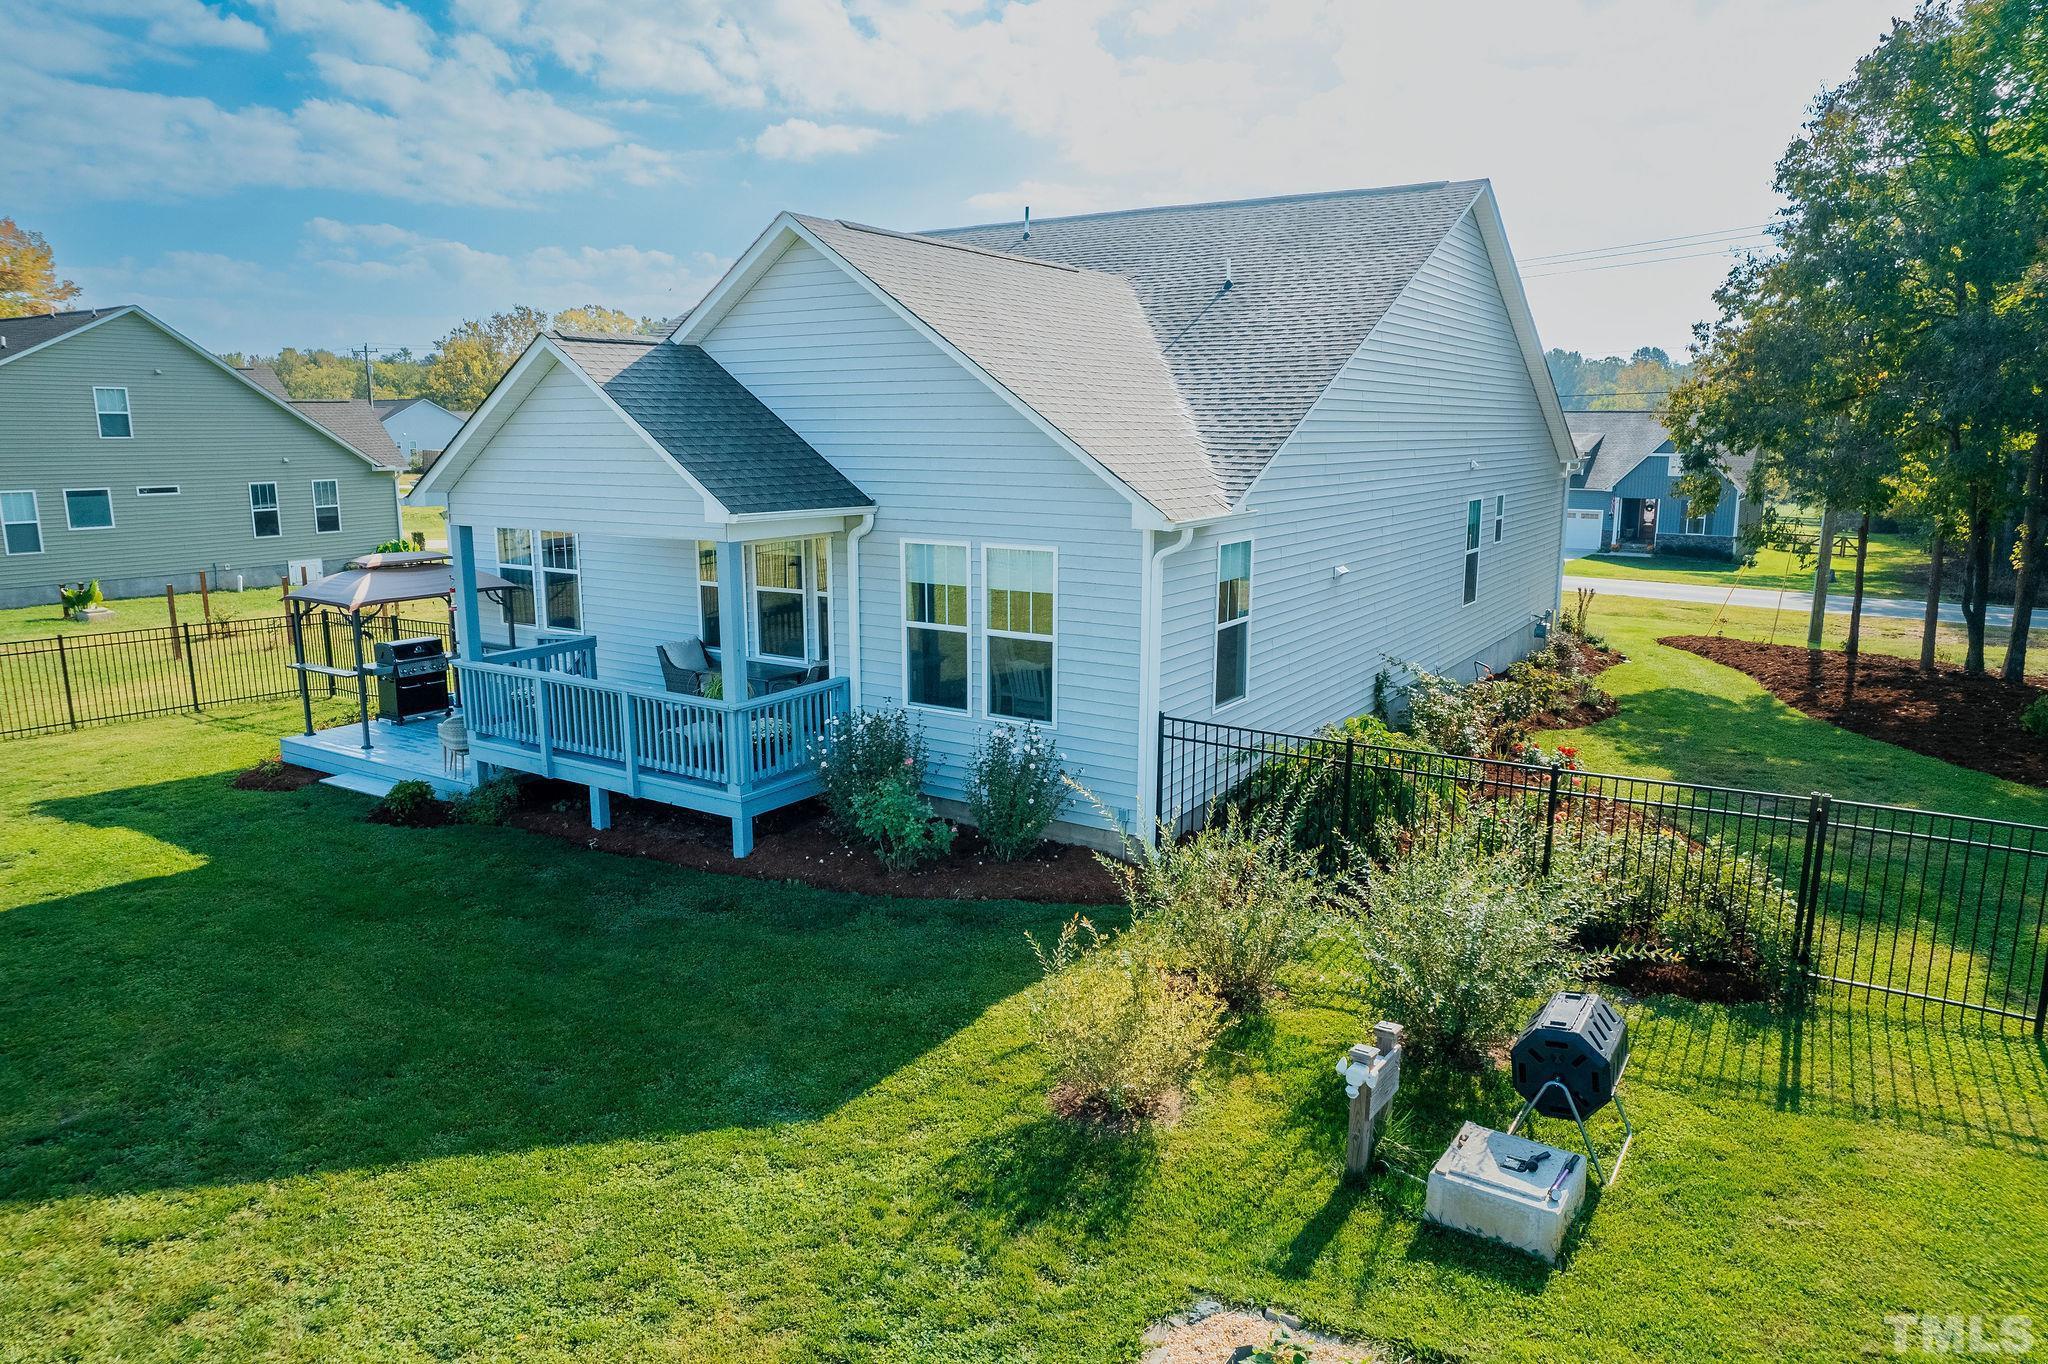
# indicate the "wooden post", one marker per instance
pixel 1372 1074
pixel 171 606
pixel 205 602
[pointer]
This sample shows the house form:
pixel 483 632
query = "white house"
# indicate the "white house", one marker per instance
pixel 1217 460
pixel 419 426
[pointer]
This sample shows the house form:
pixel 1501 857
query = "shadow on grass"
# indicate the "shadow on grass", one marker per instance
pixel 322 993
pixel 1051 1171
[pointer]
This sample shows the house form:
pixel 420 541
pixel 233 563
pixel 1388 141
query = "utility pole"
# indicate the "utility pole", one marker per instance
pixel 369 376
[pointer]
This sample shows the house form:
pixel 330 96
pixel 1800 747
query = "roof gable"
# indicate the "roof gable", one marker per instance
pixel 1617 441
pixel 21 334
pixel 357 422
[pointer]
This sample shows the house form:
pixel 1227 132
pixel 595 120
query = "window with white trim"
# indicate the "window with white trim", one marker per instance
pixel 157 490
pixel 1022 588
pixel 707 592
pixel 515 566
pixel 263 517
pixel 935 625
pixel 821 569
pixel 1233 622
pixel 111 406
pixel 546 578
pixel 561 580
pixel 1500 516
pixel 326 505
pixel 1473 516
pixel 89 508
pixel 21 528
pixel 1695 525
pixel 778 605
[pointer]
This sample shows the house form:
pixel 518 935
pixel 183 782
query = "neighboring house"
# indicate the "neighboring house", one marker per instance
pixel 1210 460
pixel 355 420
pixel 131 455
pixel 420 427
pixel 1625 496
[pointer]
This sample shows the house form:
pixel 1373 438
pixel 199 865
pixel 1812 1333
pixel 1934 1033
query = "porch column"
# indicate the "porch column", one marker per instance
pixel 468 620
pixel 733 647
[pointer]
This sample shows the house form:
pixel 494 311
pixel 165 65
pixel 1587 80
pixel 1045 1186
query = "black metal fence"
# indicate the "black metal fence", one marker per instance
pixel 89 678
pixel 1944 910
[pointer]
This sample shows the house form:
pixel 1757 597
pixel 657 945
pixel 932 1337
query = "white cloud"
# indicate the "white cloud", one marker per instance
pixel 388 35
pixel 799 139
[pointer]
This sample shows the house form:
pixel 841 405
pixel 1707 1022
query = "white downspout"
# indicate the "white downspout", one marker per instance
pixel 853 620
pixel 1151 609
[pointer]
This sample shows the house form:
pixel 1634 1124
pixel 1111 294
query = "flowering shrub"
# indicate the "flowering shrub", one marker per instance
pixel 895 817
pixel 862 750
pixel 1482 718
pixel 1018 787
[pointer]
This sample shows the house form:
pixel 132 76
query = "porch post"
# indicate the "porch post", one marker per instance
pixel 468 620
pixel 733 647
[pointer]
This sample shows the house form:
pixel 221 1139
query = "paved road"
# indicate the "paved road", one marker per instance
pixel 1996 617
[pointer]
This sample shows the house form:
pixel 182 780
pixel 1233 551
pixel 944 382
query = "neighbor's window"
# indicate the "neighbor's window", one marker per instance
pixel 1695 525
pixel 560 577
pixel 779 599
pixel 1472 517
pixel 1500 516
pixel 157 490
pixel 263 510
pixel 21 530
pixel 935 625
pixel 1233 621
pixel 112 406
pixel 707 591
pixel 515 566
pixel 89 508
pixel 1021 587
pixel 326 505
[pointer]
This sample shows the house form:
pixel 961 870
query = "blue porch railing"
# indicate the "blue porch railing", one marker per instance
pixel 551 653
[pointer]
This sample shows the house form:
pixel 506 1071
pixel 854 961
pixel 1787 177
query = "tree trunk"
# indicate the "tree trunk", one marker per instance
pixel 1976 582
pixel 2033 523
pixel 1930 624
pixel 1856 613
pixel 1823 565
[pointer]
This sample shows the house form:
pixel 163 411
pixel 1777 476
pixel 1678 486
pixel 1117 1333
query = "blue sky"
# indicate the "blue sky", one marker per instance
pixel 326 172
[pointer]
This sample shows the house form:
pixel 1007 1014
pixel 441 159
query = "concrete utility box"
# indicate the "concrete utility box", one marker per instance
pixel 1507 1189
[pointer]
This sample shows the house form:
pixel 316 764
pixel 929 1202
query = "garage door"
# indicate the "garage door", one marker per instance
pixel 1581 532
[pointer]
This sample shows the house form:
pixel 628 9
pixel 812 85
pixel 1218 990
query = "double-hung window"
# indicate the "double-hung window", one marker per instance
pixel 1022 587
pixel 1500 516
pixel 821 567
pixel 515 566
pixel 935 625
pixel 89 508
pixel 111 406
pixel 553 599
pixel 1472 519
pixel 21 529
pixel 1233 622
pixel 326 505
pixel 561 580
pixel 707 592
pixel 263 517
pixel 779 600
pixel 1695 525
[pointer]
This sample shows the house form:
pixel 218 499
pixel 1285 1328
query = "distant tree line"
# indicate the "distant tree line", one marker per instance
pixel 1640 381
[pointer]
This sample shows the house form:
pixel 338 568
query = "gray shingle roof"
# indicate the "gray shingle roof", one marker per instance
pixel 355 421
pixel 265 378
pixel 1072 344
pixel 1617 441
pixel 19 333
pixel 743 454
pixel 1311 276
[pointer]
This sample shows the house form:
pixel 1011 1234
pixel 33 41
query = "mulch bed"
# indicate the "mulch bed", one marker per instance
pixel 1970 721
pixel 1709 984
pixel 275 777
pixel 797 843
pixel 1593 660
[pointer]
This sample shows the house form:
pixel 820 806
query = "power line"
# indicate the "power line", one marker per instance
pixel 1623 265
pixel 1688 237
pixel 1622 393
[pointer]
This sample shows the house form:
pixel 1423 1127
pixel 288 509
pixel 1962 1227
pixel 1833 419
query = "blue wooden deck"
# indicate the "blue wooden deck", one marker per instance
pixel 397 753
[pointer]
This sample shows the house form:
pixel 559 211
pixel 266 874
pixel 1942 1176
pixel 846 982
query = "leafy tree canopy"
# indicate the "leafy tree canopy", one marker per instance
pixel 28 274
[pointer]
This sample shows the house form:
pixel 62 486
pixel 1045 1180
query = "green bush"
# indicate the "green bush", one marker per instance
pixel 896 818
pixel 492 802
pixel 1121 1037
pixel 861 751
pixel 410 803
pixel 1392 782
pixel 1231 905
pixel 83 597
pixel 2034 719
pixel 1017 789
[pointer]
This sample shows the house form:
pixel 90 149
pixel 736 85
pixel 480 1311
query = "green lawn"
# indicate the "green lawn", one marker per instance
pixel 1896 568
pixel 429 521
pixel 140 613
pixel 284 1084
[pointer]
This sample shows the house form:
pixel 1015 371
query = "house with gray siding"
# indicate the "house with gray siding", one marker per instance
pixel 420 427
pixel 131 455
pixel 1625 495
pixel 1214 460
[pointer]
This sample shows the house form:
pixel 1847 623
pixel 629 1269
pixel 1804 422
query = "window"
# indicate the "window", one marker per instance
pixel 1695 525
pixel 263 510
pixel 158 490
pixel 560 578
pixel 21 530
pixel 1233 621
pixel 1021 586
pixel 1500 516
pixel 112 406
pixel 326 505
pixel 821 591
pixel 89 508
pixel 779 599
pixel 935 625
pixel 707 591
pixel 515 566
pixel 1472 516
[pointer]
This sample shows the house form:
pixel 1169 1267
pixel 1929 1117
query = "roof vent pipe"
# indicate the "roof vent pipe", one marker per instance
pixel 1228 278
pixel 1027 222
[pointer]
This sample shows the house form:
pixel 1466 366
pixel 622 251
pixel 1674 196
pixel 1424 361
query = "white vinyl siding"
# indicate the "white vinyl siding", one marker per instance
pixel 110 406
pixel 936 646
pixel 264 517
pixel 326 506
pixel 89 508
pixel 1021 631
pixel 21 526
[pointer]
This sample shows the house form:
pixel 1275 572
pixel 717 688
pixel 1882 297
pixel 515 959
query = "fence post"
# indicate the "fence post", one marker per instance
pixel 171 607
pixel 1550 813
pixel 1807 905
pixel 191 672
pixel 64 671
pixel 1344 810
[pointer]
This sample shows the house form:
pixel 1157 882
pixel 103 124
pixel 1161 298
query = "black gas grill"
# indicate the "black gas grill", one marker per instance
pixel 412 678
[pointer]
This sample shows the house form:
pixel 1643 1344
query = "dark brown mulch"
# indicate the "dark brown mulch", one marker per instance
pixel 1708 984
pixel 1970 721
pixel 1594 659
pixel 797 843
pixel 275 777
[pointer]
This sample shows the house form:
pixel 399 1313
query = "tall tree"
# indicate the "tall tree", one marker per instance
pixel 475 355
pixel 28 273
pixel 594 319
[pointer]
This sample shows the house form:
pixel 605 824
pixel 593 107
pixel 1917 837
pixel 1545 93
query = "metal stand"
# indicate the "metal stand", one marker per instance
pixel 1628 1131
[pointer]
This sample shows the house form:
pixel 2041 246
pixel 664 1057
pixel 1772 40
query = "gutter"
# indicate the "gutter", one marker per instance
pixel 853 618
pixel 1151 610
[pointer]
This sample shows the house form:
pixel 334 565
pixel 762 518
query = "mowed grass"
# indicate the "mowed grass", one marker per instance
pixel 141 613
pixel 1896 567
pixel 282 1084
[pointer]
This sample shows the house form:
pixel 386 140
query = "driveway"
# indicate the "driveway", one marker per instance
pixel 1996 617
